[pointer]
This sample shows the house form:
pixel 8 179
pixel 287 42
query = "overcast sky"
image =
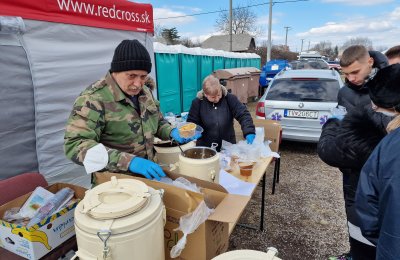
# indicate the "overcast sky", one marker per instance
pixel 314 20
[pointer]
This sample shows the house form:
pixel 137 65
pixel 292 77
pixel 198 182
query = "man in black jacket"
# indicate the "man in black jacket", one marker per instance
pixel 214 109
pixel 358 66
pixel 347 144
pixel 393 54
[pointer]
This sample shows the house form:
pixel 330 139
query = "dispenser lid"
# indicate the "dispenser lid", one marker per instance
pixel 115 199
pixel 243 255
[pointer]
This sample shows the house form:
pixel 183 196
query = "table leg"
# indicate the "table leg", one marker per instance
pixel 262 203
pixel 261 228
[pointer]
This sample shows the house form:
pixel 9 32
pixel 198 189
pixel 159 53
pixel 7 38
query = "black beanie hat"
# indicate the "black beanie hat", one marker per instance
pixel 384 88
pixel 130 55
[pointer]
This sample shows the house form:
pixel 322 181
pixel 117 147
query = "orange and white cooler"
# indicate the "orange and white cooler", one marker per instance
pixel 122 219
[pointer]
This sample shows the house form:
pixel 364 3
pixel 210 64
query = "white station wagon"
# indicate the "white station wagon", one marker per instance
pixel 301 100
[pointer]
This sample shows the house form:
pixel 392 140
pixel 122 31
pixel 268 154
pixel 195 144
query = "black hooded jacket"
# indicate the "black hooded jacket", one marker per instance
pixel 217 119
pixel 351 95
pixel 347 144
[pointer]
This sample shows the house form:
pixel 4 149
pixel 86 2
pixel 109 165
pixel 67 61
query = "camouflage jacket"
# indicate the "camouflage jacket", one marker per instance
pixel 104 114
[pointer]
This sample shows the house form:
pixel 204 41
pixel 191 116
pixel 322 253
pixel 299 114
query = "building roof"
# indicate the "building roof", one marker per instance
pixel 240 42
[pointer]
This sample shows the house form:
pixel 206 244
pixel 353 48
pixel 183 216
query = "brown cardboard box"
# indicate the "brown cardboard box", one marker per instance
pixel 211 238
pixel 272 131
pixel 40 239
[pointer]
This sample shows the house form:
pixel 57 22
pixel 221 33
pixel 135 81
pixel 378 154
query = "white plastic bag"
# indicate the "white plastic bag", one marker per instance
pixel 188 224
pixel 185 184
pixel 181 183
pixel 250 152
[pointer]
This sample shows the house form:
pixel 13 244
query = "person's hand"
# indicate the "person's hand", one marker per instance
pixel 338 112
pixel 250 138
pixel 147 168
pixel 339 117
pixel 176 136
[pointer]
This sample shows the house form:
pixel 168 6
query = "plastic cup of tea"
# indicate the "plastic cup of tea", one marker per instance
pixel 246 168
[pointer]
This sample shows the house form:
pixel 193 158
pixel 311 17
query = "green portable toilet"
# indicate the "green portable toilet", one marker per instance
pixel 255 61
pixel 205 65
pixel 248 60
pixel 237 60
pixel 242 58
pixel 219 60
pixel 227 60
pixel 168 78
pixel 189 75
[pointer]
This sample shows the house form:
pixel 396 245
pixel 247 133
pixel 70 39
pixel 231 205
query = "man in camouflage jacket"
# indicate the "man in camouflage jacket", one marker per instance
pixel 114 121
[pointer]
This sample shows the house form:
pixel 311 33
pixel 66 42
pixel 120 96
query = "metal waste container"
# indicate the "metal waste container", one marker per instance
pixel 236 80
pixel 253 85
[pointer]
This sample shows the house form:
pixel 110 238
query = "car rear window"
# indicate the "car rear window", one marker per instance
pixel 310 90
pixel 309 64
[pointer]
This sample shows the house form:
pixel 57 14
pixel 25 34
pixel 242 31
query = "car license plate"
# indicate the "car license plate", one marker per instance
pixel 301 114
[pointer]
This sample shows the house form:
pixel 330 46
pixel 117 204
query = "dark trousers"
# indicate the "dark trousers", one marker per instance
pixel 361 251
pixel 358 250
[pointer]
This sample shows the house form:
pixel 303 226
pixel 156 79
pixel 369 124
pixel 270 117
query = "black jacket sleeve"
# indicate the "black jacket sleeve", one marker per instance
pixel 367 198
pixel 380 60
pixel 379 120
pixel 346 98
pixel 241 114
pixel 329 146
pixel 194 112
pixel 348 143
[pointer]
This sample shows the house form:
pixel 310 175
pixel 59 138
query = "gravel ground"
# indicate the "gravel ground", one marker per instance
pixel 305 217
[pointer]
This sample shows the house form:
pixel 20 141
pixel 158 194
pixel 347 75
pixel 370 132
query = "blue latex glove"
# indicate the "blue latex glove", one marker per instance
pixel 146 168
pixel 250 138
pixel 176 136
pixel 339 117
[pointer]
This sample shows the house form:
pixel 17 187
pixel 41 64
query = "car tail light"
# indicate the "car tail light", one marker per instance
pixel 260 109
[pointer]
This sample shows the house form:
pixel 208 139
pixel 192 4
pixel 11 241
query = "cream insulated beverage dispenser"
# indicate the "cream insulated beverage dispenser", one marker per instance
pixel 200 162
pixel 122 219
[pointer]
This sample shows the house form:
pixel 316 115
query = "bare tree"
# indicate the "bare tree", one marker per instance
pixel 243 21
pixel 381 48
pixel 358 41
pixel 158 28
pixel 322 46
pixel 185 41
pixel 277 52
pixel 325 48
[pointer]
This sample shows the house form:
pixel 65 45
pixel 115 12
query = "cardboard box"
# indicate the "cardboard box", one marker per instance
pixel 211 238
pixel 40 239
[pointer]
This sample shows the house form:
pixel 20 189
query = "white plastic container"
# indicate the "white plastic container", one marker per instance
pixel 200 162
pixel 248 255
pixel 120 220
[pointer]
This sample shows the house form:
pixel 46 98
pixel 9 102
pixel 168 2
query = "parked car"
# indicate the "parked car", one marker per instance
pixel 310 55
pixel 309 64
pixel 335 65
pixel 302 101
pixel 270 69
